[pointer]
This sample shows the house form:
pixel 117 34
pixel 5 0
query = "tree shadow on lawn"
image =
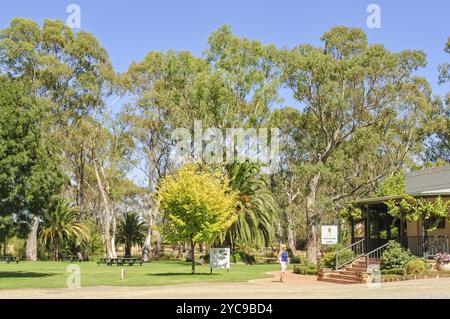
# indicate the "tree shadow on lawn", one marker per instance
pixel 167 274
pixel 23 274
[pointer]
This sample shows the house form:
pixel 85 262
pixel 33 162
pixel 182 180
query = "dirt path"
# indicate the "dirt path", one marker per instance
pixel 296 286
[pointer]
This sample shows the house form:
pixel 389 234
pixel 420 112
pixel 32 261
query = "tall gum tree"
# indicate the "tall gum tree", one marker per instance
pixel 233 86
pixel 30 166
pixel 438 143
pixel 346 88
pixel 71 70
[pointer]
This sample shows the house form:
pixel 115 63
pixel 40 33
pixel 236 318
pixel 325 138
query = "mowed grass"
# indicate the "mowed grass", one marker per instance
pixel 43 274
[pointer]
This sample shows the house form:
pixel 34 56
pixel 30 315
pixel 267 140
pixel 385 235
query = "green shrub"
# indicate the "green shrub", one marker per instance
pixel 328 260
pixel 16 247
pixel 305 269
pixel 417 266
pixel 93 248
pixel 395 256
pixel 244 254
pixel 168 255
pixel 247 258
pixel 394 271
pixel 295 260
pixel 333 248
pixel 205 258
pixel 235 257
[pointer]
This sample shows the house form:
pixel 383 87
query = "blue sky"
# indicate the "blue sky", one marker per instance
pixel 129 29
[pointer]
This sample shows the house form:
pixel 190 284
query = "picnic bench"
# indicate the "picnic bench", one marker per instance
pixel 120 261
pixel 9 259
pixel 71 258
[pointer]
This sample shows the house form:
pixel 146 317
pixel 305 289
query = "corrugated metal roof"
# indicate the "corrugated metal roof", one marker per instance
pixel 436 179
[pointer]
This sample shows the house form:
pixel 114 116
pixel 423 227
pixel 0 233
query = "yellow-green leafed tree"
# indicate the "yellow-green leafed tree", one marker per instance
pixel 197 206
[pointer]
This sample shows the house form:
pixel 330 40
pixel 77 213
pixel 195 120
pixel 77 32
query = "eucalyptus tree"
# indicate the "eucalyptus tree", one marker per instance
pixel 351 91
pixel 289 182
pixel 71 71
pixel 438 145
pixel 444 69
pixel 244 81
pixel 108 147
pixel 158 88
pixel 30 168
pixel 233 86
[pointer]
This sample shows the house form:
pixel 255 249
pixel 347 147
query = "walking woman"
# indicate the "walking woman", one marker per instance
pixel 283 259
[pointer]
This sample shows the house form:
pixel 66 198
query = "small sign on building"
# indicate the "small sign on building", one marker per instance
pixel 219 258
pixel 329 235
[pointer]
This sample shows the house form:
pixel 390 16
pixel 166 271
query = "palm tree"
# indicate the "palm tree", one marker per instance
pixel 60 224
pixel 131 230
pixel 256 208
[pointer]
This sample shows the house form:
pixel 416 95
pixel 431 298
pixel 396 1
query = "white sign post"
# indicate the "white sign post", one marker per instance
pixel 329 235
pixel 219 258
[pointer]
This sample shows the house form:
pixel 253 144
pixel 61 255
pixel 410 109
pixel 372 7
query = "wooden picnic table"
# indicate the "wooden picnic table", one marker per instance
pixel 120 261
pixel 71 258
pixel 9 259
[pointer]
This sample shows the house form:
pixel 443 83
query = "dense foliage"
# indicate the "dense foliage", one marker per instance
pixel 131 231
pixel 59 225
pixel 256 208
pixel 412 209
pixel 197 206
pixel 417 266
pixel 366 117
pixel 328 259
pixel 395 256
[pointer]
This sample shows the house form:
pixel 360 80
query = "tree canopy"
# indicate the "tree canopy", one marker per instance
pixel 362 117
pixel 197 206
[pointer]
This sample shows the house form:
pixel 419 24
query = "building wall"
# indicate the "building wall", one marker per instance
pixel 415 229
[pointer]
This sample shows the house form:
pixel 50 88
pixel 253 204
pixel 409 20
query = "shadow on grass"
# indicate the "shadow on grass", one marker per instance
pixel 23 274
pixel 187 274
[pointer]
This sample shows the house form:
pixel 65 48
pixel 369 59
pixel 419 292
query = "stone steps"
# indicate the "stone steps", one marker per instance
pixel 354 273
pixel 337 281
pixel 343 276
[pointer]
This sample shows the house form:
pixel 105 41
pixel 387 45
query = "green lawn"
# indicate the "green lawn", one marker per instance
pixel 43 274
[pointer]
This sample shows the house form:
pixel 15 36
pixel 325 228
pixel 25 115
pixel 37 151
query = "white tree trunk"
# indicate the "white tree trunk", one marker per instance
pixel 148 239
pixel 291 231
pixel 31 249
pixel 113 234
pixel 109 215
pixel 312 220
pixel 158 245
pixel 152 212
